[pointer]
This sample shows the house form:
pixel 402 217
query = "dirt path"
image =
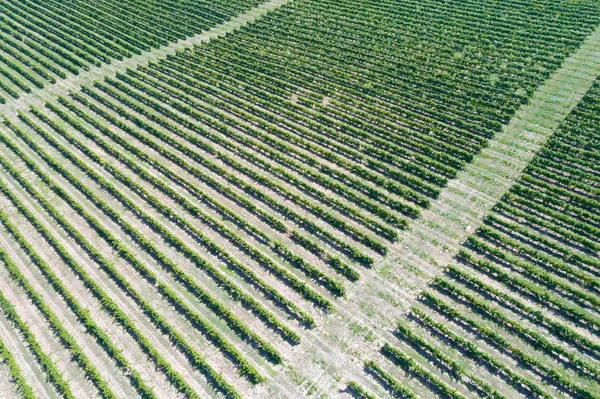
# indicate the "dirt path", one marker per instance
pixel 38 96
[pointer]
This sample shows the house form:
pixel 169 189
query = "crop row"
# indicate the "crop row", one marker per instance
pixel 330 219
pixel 112 308
pixel 82 315
pixel 184 224
pixel 184 279
pixel 200 142
pixel 53 375
pixel 197 173
pixel 186 80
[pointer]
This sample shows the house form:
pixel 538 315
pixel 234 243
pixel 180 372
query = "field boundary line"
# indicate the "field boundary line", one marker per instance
pixel 38 97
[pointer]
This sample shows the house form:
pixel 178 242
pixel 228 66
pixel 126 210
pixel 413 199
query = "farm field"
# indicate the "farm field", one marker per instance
pixel 299 199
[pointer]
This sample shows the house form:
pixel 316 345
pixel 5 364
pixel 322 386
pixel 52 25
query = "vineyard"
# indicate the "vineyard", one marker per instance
pixel 203 225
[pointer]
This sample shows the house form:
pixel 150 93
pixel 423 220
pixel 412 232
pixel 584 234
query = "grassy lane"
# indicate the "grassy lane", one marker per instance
pixel 38 96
